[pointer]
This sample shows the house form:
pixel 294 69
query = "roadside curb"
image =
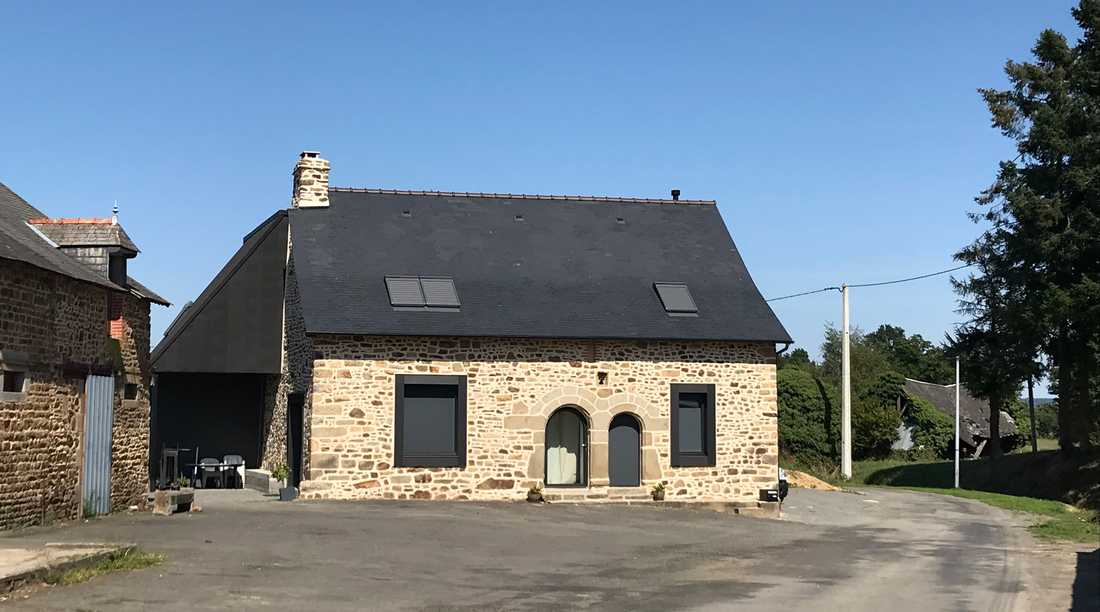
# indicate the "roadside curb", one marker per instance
pixel 15 581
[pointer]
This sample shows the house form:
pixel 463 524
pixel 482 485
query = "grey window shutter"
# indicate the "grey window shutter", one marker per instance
pixel 404 291
pixel 440 292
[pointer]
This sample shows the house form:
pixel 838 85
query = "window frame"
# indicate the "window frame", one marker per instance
pixel 20 376
pixel 707 458
pixel 17 363
pixel 400 458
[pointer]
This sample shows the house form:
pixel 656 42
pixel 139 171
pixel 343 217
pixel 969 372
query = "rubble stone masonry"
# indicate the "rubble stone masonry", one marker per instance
pixel 56 321
pixel 513 386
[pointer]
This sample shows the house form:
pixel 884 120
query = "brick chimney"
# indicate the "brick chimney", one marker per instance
pixel 310 181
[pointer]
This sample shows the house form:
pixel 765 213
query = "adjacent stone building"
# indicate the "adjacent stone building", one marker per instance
pixel 438 345
pixel 74 362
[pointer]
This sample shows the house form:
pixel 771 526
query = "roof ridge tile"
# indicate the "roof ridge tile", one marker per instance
pixel 519 196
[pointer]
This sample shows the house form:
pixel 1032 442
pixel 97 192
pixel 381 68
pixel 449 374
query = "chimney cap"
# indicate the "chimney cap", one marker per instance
pixel 675 195
pixel 309 154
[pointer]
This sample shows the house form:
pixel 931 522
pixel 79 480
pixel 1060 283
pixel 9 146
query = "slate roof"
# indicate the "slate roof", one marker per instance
pixel 973 412
pixel 20 241
pixel 525 266
pixel 85 232
pixel 24 244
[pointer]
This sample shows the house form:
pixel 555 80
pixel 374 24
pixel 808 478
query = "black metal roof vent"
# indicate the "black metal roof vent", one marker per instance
pixel 675 195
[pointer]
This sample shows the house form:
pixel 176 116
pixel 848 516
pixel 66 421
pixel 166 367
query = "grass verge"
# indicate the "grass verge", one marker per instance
pixel 1056 521
pixel 121 561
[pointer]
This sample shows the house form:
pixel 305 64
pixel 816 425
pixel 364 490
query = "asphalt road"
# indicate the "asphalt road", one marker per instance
pixel 883 550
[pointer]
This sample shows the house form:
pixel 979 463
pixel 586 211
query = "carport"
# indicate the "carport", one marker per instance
pixel 218 365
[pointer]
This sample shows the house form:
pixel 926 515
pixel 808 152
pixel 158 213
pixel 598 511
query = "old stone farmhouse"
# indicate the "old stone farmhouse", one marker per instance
pixel 432 345
pixel 74 362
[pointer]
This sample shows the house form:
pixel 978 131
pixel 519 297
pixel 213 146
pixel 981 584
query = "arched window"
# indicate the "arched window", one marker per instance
pixel 566 448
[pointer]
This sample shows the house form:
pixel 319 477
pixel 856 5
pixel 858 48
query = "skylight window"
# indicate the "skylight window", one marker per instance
pixel 422 292
pixel 440 292
pixel 405 291
pixel 676 298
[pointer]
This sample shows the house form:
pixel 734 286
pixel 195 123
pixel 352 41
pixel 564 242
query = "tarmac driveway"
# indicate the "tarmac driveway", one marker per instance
pixel 883 550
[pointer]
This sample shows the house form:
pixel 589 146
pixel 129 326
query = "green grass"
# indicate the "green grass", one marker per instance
pixel 122 561
pixel 1044 444
pixel 1056 521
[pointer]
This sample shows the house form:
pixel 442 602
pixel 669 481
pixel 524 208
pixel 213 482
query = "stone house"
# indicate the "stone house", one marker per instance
pixel 436 345
pixel 74 362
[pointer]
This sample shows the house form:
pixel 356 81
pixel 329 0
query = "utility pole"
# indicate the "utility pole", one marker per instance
pixel 845 393
pixel 957 385
pixel 1031 409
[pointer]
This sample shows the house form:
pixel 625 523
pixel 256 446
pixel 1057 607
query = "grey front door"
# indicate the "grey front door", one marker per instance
pixel 99 409
pixel 624 452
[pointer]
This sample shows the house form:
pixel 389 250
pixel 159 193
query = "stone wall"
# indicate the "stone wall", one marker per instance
pixel 296 376
pixel 57 320
pixel 130 433
pixel 513 386
pixel 52 319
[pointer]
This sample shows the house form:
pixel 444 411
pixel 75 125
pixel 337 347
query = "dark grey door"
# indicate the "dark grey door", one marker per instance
pixel 624 450
pixel 295 408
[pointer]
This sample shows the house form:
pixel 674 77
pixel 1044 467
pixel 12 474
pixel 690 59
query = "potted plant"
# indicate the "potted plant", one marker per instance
pixel 658 492
pixel 281 473
pixel 182 482
pixel 534 494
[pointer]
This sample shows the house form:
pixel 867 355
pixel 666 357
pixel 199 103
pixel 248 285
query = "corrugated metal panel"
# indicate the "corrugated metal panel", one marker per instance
pixel 404 291
pixel 440 292
pixel 676 297
pixel 99 394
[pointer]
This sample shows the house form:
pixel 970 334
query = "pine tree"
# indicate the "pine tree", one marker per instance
pixel 1038 283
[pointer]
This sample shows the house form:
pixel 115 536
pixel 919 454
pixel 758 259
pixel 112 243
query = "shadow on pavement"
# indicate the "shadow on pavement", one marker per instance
pixel 1086 586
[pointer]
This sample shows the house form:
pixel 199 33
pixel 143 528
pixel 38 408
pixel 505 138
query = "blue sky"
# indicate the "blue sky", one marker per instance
pixel 845 141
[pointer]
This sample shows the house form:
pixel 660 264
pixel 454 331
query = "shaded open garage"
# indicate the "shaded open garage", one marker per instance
pixel 219 362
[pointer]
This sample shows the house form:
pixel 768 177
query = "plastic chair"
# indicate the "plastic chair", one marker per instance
pixel 236 466
pixel 213 471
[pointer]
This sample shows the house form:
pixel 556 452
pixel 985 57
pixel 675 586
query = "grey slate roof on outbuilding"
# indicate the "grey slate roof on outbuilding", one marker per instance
pixel 525 266
pixel 87 234
pixel 973 412
pixel 22 241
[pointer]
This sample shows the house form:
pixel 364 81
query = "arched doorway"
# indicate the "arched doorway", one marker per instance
pixel 624 451
pixel 566 449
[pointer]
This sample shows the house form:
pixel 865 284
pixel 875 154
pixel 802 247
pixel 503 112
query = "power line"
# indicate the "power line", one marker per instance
pixel 794 295
pixel 913 278
pixel 890 282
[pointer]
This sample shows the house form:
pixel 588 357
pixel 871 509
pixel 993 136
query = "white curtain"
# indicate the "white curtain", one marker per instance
pixel 563 439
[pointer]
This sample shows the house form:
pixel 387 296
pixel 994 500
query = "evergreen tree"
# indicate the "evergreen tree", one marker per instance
pixel 1038 283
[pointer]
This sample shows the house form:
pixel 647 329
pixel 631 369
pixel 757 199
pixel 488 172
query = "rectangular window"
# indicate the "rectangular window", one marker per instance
pixel 693 430
pixel 430 421
pixel 130 391
pixel 13 381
